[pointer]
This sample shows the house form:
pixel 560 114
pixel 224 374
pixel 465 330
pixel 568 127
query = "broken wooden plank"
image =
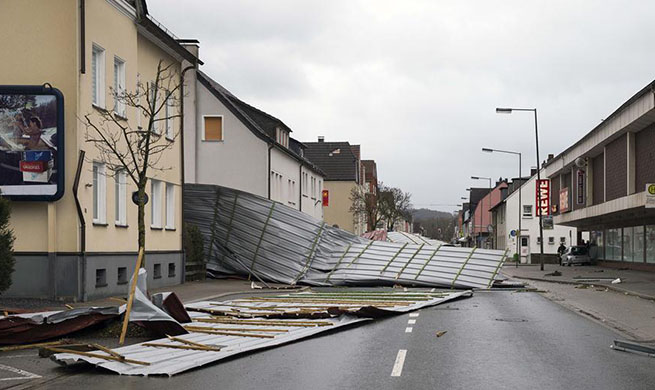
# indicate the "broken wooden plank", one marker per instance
pixel 201 329
pixel 37 345
pixel 187 347
pixel 96 355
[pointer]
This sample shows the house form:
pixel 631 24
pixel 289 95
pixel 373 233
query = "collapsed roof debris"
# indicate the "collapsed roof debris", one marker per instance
pixel 224 329
pixel 411 238
pixel 246 234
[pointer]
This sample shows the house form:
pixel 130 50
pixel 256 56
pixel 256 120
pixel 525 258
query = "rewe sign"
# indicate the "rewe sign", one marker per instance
pixel 543 197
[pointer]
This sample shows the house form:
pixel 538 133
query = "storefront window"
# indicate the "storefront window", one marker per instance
pixel 650 244
pixel 628 243
pixel 639 245
pixel 597 245
pixel 613 244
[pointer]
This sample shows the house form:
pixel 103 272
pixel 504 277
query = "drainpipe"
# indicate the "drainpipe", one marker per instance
pixel 183 235
pixel 80 216
pixel 268 174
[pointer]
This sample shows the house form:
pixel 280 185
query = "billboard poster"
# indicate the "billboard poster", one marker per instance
pixel 564 200
pixel 325 194
pixel 543 197
pixel 31 143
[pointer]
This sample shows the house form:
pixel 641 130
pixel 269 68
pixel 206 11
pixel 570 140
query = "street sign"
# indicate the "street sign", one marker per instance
pixel 512 233
pixel 543 197
pixel 650 196
pixel 135 198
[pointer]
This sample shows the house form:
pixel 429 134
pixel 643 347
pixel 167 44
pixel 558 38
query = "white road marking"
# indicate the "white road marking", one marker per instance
pixel 24 374
pixel 411 322
pixel 414 314
pixel 400 361
pixel 408 329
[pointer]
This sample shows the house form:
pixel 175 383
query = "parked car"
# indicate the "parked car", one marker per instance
pixel 576 255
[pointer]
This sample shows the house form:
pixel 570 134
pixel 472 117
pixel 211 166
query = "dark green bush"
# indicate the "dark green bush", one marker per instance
pixel 7 238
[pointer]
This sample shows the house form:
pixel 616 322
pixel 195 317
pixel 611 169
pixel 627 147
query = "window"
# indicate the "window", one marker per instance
pixel 551 240
pixel 155 201
pixel 527 211
pixel 650 244
pixel 120 198
pixel 613 245
pixel 562 240
pixel 101 277
pixel 538 240
pixel 282 137
pixel 170 206
pixel 213 128
pixel 99 194
pixel 98 76
pixel 304 183
pixel 313 188
pixel 171 270
pixel 122 275
pixel 119 86
pixel 154 104
pixel 168 111
pixel 156 272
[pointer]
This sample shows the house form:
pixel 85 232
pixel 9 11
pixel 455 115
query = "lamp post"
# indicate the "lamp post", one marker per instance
pixel 518 233
pixel 536 135
pixel 482 203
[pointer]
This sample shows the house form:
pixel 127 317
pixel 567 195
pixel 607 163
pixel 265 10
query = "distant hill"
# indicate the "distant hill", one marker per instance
pixel 427 214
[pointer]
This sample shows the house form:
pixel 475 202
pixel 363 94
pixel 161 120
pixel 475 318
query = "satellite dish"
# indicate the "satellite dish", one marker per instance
pixel 580 162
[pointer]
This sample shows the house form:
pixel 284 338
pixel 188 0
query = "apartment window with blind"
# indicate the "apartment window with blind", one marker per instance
pixel 98 76
pixel 99 194
pixel 212 128
pixel 120 198
pixel 170 206
pixel 155 201
pixel 119 86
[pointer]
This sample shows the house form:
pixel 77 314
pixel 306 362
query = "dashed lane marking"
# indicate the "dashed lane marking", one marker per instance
pixel 411 322
pixel 400 361
pixel 414 314
pixel 408 329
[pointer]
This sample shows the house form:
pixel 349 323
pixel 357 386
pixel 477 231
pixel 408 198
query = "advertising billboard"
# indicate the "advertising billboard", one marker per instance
pixel 543 197
pixel 31 143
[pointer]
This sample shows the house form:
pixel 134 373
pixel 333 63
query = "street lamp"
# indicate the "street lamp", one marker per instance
pixel 536 135
pixel 482 205
pixel 518 234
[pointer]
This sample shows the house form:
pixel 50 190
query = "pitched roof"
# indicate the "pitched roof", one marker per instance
pixel 336 159
pixel 260 123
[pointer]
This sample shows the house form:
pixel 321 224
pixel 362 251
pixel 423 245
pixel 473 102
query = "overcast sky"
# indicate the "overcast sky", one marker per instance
pixel 416 83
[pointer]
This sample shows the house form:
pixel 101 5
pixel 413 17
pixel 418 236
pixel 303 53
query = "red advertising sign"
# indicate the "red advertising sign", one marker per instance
pixel 564 200
pixel 543 197
pixel 326 198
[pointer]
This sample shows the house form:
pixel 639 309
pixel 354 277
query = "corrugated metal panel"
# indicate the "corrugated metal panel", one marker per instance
pixel 249 235
pixel 412 238
pixel 265 333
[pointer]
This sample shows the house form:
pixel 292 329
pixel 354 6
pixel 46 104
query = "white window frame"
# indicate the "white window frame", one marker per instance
pixel 156 206
pixel 525 214
pixel 99 193
pixel 98 76
pixel 120 201
pixel 119 85
pixel 170 206
pixel 222 129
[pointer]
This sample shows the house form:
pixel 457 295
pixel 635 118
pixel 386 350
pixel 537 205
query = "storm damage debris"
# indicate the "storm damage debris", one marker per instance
pixel 252 236
pixel 629 346
pixel 224 329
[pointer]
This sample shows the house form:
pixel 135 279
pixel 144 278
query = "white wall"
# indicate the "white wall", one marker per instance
pixel 289 168
pixel 312 201
pixel 240 161
pixel 530 225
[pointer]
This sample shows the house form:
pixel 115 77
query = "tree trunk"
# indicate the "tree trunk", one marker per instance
pixel 142 223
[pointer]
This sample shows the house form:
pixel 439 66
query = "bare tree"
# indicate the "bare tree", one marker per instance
pixel 394 205
pixel 365 205
pixel 136 150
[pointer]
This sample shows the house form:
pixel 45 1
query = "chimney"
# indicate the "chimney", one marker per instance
pixel 533 171
pixel 192 45
pixel 321 138
pixel 550 156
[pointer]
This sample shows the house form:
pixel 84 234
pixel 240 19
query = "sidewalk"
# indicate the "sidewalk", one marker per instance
pixel 637 283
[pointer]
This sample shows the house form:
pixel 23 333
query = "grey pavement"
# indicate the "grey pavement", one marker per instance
pixel 497 340
pixel 639 283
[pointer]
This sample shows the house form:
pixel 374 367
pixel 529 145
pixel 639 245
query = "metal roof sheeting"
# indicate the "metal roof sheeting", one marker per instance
pixel 412 238
pixel 246 234
pixel 252 333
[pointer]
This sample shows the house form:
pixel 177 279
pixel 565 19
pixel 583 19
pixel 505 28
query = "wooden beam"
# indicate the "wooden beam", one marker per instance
pixel 130 298
pixel 188 347
pixel 201 329
pixel 96 355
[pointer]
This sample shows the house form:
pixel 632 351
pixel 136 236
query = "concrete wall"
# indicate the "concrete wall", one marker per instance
pixel 616 168
pixel 240 161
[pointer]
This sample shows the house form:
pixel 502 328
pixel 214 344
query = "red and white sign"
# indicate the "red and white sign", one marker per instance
pixel 326 198
pixel 543 197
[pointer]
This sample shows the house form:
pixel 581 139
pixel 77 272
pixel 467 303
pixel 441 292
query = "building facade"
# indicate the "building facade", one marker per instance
pixel 86 53
pixel 599 184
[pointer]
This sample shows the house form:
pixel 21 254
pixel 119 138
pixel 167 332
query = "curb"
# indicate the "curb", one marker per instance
pixel 610 287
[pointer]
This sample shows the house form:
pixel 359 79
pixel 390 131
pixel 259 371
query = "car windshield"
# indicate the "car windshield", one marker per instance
pixel 578 250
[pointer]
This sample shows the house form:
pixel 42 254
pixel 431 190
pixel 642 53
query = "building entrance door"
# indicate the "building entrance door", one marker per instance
pixel 525 249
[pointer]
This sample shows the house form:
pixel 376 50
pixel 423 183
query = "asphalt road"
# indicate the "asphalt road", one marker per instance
pixel 494 340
